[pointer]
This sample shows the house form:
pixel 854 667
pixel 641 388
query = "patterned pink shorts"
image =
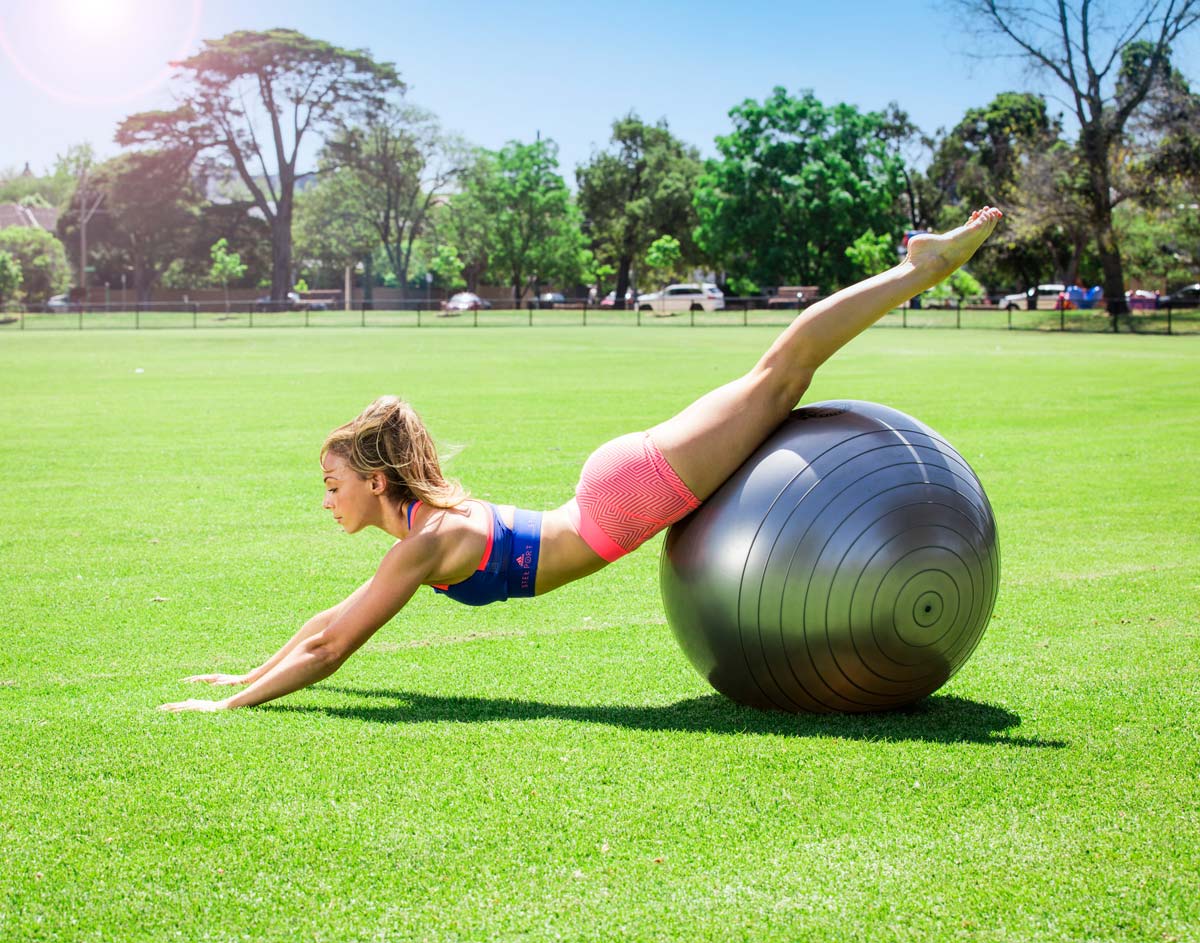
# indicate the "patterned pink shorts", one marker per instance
pixel 627 493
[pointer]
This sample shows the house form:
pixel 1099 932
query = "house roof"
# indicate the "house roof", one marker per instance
pixel 33 217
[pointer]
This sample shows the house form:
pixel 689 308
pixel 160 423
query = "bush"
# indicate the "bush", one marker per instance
pixel 10 277
pixel 42 260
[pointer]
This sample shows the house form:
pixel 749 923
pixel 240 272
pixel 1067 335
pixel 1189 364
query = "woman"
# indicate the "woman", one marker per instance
pixel 381 470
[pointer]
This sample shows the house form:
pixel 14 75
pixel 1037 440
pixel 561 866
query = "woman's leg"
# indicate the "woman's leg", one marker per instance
pixel 708 440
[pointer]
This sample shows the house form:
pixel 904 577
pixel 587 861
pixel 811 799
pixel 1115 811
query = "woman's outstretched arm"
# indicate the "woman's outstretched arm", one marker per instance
pixel 318 623
pixel 404 568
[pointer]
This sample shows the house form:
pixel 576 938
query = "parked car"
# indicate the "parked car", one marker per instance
pixel 1186 297
pixel 58 304
pixel 1141 300
pixel 610 300
pixel 552 298
pixel 1044 296
pixel 464 301
pixel 693 296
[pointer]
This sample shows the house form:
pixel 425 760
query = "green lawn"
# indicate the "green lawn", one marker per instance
pixel 554 769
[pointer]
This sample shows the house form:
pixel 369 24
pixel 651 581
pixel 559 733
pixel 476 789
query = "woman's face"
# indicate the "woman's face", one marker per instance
pixel 348 495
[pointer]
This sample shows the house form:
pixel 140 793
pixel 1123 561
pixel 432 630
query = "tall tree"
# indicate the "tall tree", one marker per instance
pixel 148 205
pixel 634 193
pixel 1010 153
pixel 402 165
pixel 795 184
pixel 333 229
pixel 1083 50
pixel 253 98
pixel 535 234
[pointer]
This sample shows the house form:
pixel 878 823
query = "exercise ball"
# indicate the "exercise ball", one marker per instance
pixel 850 564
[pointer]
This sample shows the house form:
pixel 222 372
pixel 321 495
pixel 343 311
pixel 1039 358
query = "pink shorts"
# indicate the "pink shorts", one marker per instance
pixel 627 493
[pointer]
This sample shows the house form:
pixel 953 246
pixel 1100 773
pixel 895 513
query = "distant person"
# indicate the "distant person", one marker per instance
pixel 381 470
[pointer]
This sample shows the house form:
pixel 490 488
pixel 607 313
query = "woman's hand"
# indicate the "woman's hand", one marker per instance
pixel 220 679
pixel 195 705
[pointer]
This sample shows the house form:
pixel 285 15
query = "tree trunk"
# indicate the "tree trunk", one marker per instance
pixel 1096 147
pixel 281 249
pixel 623 266
pixel 1114 275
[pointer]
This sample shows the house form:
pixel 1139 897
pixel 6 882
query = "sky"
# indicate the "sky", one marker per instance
pixel 504 70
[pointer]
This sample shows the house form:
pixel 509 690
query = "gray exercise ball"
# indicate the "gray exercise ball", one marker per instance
pixel 851 564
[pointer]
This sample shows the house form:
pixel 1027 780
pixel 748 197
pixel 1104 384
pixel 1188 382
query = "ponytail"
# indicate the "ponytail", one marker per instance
pixel 389 437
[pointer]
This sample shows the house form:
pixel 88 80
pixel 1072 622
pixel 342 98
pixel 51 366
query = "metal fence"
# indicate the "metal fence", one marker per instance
pixel 417 314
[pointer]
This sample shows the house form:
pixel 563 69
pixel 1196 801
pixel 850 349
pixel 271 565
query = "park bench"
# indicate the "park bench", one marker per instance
pixel 792 296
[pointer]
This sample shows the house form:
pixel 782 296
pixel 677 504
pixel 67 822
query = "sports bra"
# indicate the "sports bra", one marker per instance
pixel 509 565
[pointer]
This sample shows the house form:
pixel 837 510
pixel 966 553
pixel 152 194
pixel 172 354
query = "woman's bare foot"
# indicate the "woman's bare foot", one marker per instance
pixel 940 255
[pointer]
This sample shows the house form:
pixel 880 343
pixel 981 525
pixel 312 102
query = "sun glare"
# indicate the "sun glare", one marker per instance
pixel 97 51
pixel 99 19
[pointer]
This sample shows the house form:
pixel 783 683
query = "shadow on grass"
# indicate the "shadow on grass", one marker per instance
pixel 937 719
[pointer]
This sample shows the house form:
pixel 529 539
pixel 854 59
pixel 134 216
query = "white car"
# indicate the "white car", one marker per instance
pixel 1046 297
pixel 693 296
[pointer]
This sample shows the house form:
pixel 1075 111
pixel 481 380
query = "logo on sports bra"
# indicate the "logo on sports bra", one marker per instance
pixel 525 559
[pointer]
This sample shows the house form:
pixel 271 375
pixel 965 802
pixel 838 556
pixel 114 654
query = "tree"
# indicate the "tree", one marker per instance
pixel 45 270
pixel 147 206
pixel 447 268
pixel 871 254
pixel 52 189
pixel 663 256
pixel 226 266
pixel 333 230
pixel 1010 153
pixel 639 190
pixel 278 84
pixel 10 278
pixel 534 229
pixel 1165 135
pixel 795 184
pixel 403 165
pixel 1083 52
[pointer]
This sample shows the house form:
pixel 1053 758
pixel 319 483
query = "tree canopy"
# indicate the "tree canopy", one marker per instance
pixel 251 99
pixel 1086 48
pixel 636 192
pixel 796 183
pixel 533 227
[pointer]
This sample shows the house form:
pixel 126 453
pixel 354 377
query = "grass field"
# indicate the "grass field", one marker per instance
pixel 554 769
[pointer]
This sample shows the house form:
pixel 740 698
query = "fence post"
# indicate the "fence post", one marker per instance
pixel 364 314
pixel 1010 310
pixel 585 312
pixel 904 315
pixel 81 317
pixel 958 316
pixel 1168 320
pixel 531 314
pixel 137 316
pixel 692 314
pixel 639 313
pixel 1062 318
pixel 250 312
pixel 195 315
pixel 745 314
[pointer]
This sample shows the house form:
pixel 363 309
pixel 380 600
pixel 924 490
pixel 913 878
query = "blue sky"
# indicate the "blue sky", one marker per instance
pixel 496 71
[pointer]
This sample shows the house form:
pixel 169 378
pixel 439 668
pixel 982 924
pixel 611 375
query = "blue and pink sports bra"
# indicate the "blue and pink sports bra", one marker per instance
pixel 509 565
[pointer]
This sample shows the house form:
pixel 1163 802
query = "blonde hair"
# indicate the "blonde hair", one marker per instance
pixel 388 436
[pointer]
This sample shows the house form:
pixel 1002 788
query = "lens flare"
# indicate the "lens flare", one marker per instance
pixel 97 52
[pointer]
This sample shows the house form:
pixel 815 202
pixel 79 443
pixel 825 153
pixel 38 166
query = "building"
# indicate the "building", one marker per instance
pixel 33 217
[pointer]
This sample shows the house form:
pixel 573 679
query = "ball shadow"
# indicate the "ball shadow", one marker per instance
pixel 937 719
